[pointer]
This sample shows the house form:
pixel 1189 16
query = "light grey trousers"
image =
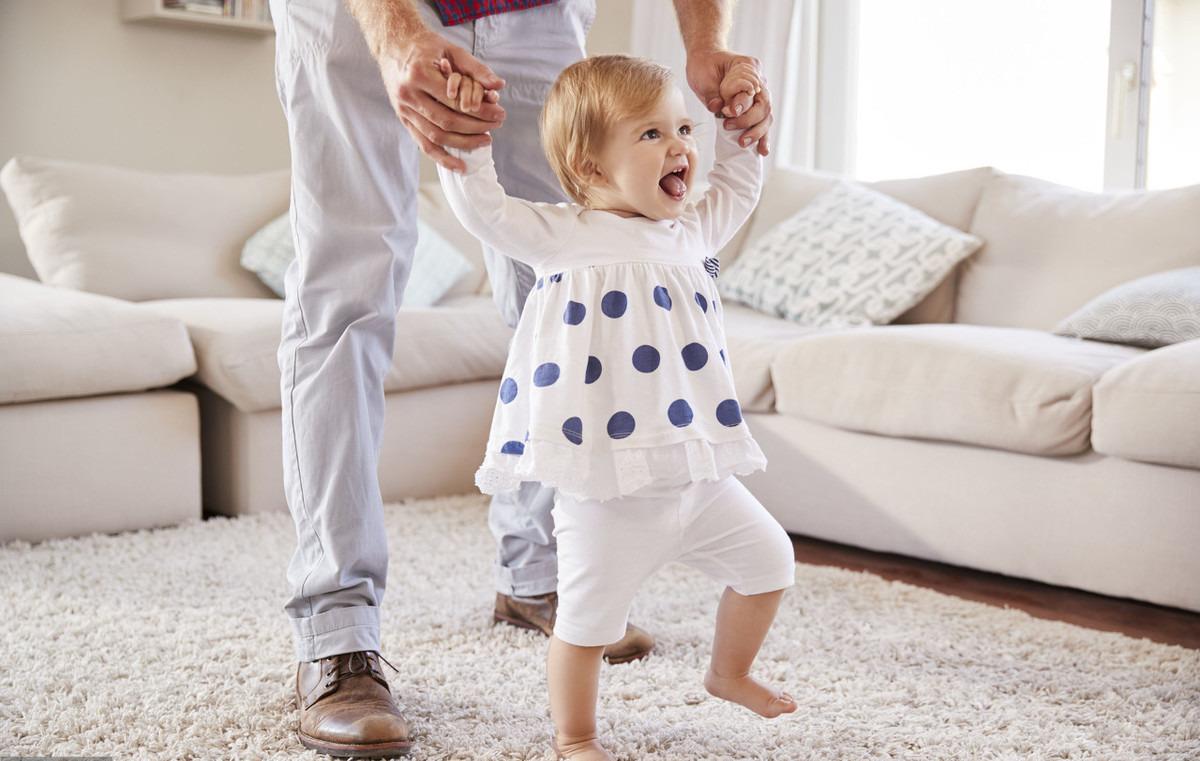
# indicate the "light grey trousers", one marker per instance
pixel 353 212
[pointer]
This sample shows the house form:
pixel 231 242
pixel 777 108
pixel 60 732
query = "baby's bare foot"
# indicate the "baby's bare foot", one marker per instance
pixel 581 750
pixel 746 691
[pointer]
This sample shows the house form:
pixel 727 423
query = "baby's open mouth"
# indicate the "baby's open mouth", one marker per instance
pixel 674 185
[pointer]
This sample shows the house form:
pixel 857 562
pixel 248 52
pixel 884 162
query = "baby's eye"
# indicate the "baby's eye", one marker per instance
pixel 685 129
pixel 653 133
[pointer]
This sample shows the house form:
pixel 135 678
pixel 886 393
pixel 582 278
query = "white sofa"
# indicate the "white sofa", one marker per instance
pixel 965 433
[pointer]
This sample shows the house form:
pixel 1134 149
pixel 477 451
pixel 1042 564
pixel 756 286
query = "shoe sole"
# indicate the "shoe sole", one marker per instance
pixel 612 661
pixel 356 750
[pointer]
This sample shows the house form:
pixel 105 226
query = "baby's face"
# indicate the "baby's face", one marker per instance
pixel 647 162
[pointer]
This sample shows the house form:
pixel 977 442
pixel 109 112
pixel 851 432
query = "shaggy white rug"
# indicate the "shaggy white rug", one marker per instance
pixel 172 644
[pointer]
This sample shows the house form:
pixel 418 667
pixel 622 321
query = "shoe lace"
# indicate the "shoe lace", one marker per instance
pixel 355 664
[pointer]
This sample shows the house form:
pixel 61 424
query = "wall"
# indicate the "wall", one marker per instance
pixel 78 83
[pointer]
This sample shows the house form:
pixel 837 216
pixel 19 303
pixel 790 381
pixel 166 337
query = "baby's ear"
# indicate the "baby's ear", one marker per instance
pixel 590 172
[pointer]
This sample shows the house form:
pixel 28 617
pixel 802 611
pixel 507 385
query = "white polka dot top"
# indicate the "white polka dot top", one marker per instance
pixel 617 376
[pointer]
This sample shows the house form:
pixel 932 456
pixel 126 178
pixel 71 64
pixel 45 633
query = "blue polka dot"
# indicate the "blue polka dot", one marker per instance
pixel 573 314
pixel 527 435
pixel 512 447
pixel 723 357
pixel 614 303
pixel 556 277
pixel 572 428
pixel 508 390
pixel 702 302
pixel 545 374
pixel 646 358
pixel 620 425
pixel 662 298
pixel 680 413
pixel 540 283
pixel 593 370
pixel 728 413
pixel 695 356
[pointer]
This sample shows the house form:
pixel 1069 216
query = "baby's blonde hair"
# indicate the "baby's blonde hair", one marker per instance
pixel 588 98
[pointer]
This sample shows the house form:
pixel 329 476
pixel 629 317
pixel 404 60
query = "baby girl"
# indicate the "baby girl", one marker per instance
pixel 617 391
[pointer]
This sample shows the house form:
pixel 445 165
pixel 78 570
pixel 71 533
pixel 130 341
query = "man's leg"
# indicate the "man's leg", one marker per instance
pixel 354 174
pixel 353 214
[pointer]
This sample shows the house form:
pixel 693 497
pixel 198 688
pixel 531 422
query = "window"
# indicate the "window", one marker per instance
pixel 1097 94
pixel 1173 144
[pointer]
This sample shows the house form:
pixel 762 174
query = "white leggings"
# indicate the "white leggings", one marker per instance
pixel 607 549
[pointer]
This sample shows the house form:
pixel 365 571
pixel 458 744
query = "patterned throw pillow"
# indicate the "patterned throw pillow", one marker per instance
pixel 1152 311
pixel 851 257
pixel 437 264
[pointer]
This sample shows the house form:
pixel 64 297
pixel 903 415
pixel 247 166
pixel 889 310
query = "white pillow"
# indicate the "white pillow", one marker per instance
pixel 1152 311
pixel 437 265
pixel 849 258
pixel 140 235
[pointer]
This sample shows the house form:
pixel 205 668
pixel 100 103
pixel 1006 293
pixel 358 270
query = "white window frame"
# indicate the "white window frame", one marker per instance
pixel 832 146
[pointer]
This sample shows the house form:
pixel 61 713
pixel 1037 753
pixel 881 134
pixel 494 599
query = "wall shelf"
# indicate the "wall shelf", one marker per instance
pixel 154 12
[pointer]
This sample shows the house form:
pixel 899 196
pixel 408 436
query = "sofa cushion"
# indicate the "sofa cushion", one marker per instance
pixel 57 343
pixel 1021 390
pixel 851 257
pixel 236 342
pixel 140 235
pixel 949 198
pixel 753 341
pixel 1050 249
pixel 1152 311
pixel 436 267
pixel 1149 409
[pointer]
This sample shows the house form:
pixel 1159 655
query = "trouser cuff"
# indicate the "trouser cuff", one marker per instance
pixel 528 580
pixel 336 631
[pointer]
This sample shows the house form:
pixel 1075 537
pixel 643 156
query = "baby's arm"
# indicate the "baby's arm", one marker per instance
pixel 735 181
pixel 526 231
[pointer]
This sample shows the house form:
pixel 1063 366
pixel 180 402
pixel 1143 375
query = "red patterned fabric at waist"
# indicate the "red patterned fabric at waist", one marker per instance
pixel 457 11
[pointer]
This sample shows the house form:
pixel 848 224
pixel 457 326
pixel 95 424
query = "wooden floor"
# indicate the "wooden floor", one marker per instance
pixel 1136 619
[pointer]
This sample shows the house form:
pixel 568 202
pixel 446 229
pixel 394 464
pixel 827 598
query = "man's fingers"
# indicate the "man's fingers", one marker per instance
pixel 442 137
pixel 451 119
pixel 471 66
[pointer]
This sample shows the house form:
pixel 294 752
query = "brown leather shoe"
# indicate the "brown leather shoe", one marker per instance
pixel 346 708
pixel 539 613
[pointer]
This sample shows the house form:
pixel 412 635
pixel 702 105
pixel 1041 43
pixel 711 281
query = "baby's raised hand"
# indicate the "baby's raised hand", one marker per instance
pixel 468 93
pixel 739 87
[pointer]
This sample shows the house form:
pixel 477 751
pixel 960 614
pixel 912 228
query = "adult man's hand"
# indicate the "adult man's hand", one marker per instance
pixel 706 70
pixel 416 87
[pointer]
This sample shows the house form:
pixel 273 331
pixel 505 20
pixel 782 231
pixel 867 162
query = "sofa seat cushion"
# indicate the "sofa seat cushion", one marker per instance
pixel 236 342
pixel 754 339
pixel 1005 388
pixel 1149 409
pixel 57 343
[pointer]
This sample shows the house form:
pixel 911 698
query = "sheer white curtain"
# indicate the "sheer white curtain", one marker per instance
pixel 778 33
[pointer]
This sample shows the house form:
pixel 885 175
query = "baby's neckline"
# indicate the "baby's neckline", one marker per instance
pixel 638 218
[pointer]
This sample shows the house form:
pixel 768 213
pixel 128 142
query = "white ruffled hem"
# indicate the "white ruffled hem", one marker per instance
pixel 580 474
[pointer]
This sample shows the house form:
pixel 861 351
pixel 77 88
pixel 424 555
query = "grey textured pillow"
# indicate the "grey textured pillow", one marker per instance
pixel 850 257
pixel 437 264
pixel 1152 311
